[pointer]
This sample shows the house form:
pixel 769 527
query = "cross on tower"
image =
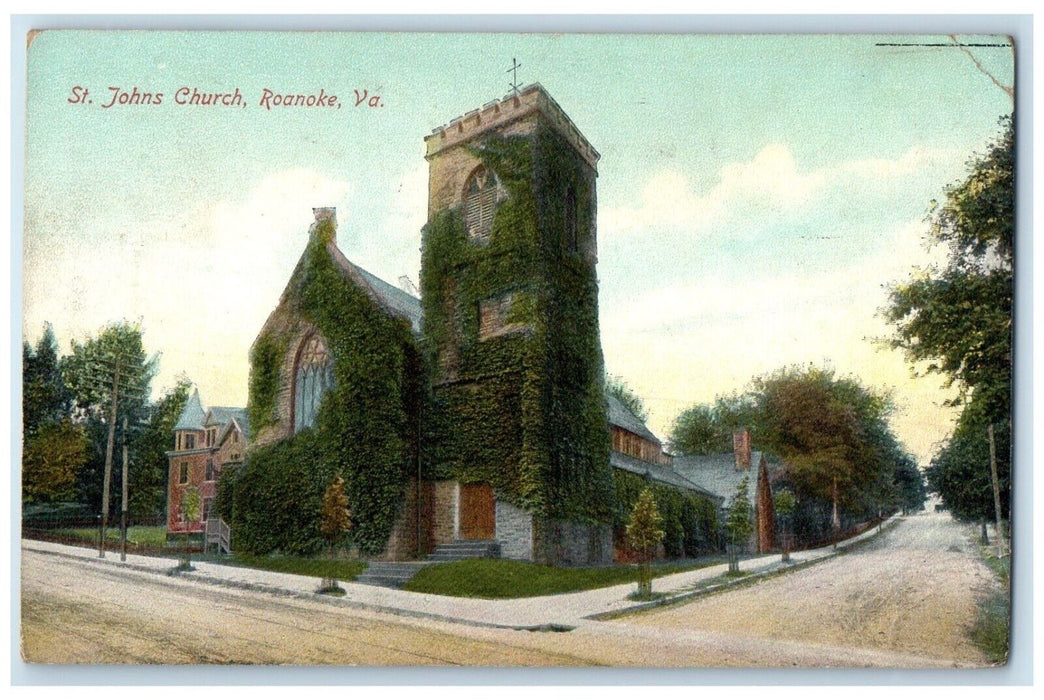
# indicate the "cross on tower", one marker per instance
pixel 515 65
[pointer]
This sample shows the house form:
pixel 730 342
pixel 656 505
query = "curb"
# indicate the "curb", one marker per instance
pixel 772 570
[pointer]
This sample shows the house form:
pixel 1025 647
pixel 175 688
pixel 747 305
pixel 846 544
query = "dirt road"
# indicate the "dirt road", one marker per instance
pixel 911 591
pixel 901 601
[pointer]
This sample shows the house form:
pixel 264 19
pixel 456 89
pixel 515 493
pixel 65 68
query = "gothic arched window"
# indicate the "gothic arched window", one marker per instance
pixel 482 193
pixel 314 375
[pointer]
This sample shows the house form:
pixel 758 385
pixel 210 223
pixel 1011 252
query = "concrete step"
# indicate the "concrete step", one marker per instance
pixel 465 549
pixel 390 574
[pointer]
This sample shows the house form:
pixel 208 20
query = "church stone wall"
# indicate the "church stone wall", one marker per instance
pixel 514 532
pixel 571 543
pixel 444 527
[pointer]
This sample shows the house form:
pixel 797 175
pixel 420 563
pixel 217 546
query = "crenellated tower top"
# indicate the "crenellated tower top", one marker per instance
pixel 532 98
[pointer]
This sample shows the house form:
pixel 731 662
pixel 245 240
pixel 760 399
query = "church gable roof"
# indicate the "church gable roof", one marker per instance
pixel 659 473
pixel 622 417
pixel 192 416
pixel 390 297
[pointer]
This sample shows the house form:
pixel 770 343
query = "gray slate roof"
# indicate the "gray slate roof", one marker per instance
pixel 391 297
pixel 718 474
pixel 621 417
pixel 224 416
pixel 193 415
pixel 660 473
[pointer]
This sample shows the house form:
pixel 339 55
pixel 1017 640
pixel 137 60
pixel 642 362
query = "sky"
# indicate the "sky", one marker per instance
pixel 756 194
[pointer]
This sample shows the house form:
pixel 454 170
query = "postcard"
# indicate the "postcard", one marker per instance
pixel 411 349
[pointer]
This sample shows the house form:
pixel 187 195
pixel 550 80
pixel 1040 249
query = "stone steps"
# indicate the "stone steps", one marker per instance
pixel 465 549
pixel 390 574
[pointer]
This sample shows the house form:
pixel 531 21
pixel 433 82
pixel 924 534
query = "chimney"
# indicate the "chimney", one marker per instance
pixel 741 446
pixel 322 216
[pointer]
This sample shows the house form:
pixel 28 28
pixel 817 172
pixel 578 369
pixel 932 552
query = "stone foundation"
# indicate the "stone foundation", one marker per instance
pixel 514 532
pixel 569 543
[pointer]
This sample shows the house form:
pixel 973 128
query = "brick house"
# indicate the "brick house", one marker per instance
pixel 205 441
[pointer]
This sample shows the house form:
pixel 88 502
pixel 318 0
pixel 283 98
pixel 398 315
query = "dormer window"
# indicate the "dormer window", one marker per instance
pixel 482 193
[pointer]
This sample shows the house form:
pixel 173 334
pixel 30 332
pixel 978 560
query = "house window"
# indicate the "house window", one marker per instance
pixel 571 240
pixel 235 436
pixel 482 193
pixel 183 473
pixel 314 376
pixel 190 441
pixel 211 472
pixel 207 505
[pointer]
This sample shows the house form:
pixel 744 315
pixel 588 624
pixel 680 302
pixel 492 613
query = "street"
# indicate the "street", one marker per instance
pixel 902 600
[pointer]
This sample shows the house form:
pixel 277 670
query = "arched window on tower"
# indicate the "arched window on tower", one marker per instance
pixel 482 193
pixel 313 376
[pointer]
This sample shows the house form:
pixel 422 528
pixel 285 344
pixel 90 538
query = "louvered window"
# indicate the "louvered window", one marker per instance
pixel 481 196
pixel 313 377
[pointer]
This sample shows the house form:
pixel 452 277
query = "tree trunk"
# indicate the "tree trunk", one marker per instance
pixel 996 491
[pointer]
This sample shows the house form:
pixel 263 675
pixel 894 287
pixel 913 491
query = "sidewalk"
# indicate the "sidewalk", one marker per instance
pixel 562 611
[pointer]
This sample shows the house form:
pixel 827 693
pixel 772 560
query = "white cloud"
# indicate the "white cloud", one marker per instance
pixel 684 343
pixel 202 283
pixel 770 185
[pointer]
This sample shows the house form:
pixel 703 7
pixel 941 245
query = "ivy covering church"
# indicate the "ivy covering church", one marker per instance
pixel 476 413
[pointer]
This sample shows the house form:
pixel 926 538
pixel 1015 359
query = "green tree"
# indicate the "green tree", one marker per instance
pixel 148 452
pixel 644 534
pixel 960 471
pixel 833 435
pixel 738 521
pixel 618 388
pixel 698 431
pixel 334 521
pixel 109 377
pixel 705 429
pixel 45 398
pixel 957 319
pixel 52 457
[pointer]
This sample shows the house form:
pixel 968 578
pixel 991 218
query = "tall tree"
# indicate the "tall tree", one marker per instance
pixel 109 376
pixel 704 429
pixel 832 433
pixel 148 452
pixel 45 398
pixel 958 319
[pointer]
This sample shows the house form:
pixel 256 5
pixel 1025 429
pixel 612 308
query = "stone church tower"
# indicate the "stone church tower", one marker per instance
pixel 517 436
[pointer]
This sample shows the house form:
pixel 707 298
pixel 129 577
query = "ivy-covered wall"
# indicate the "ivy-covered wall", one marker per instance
pixel 690 521
pixel 523 410
pixel 365 428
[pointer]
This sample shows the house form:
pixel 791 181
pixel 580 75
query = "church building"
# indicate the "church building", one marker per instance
pixel 476 412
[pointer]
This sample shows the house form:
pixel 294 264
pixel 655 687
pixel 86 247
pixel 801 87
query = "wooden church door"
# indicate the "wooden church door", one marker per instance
pixel 477 512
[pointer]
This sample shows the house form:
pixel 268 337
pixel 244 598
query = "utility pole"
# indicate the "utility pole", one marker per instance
pixel 108 457
pixel 123 499
pixel 996 490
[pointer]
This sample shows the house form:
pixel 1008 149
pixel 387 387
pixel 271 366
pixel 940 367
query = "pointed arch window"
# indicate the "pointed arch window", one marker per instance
pixel 314 375
pixel 482 193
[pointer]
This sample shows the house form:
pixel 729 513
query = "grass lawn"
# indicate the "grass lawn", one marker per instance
pixel 149 536
pixel 340 569
pixel 992 622
pixel 501 578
